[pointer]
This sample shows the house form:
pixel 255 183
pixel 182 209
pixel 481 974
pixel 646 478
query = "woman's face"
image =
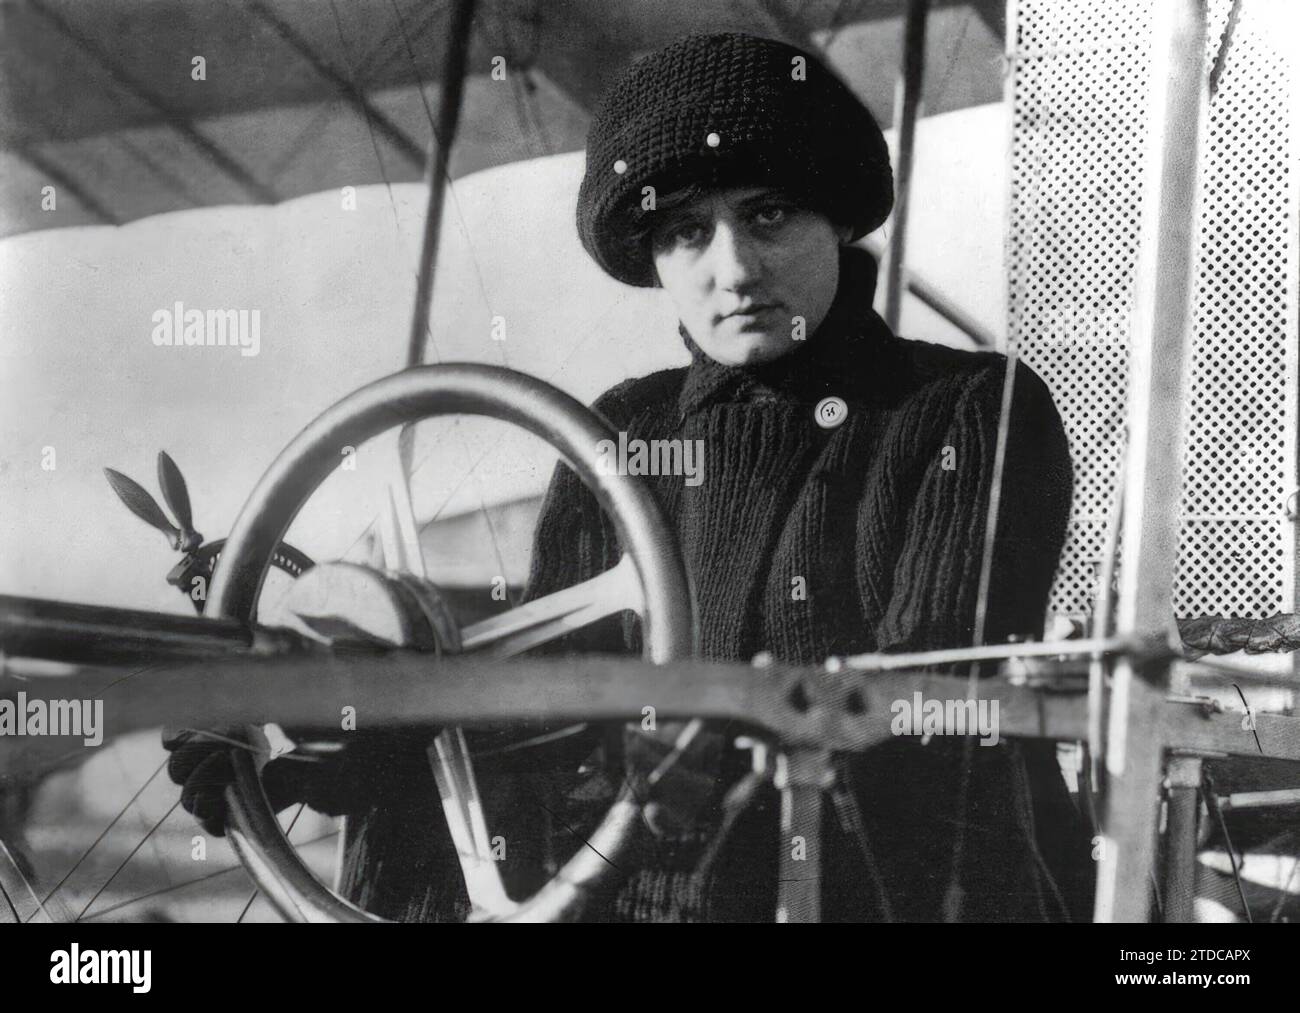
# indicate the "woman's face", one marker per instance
pixel 751 273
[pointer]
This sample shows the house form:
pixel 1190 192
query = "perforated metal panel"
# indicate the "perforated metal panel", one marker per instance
pixel 1079 89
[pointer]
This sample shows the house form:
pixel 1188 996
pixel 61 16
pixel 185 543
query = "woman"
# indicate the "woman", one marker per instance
pixel 841 507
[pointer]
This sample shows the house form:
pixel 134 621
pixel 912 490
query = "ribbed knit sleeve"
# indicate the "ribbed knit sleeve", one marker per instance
pixel 937 570
pixel 574 541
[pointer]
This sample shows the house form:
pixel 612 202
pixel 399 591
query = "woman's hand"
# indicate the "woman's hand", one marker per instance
pixel 365 768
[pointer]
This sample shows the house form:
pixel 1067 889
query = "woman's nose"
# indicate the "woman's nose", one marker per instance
pixel 734 258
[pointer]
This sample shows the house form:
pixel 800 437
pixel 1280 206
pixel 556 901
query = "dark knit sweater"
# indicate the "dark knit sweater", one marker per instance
pixel 888 540
pixel 883 518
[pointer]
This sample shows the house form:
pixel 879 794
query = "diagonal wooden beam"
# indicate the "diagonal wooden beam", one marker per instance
pixel 254 187
pixel 61 178
pixel 355 97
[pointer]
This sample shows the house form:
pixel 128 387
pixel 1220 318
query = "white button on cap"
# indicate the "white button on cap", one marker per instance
pixel 830 412
pixel 713 140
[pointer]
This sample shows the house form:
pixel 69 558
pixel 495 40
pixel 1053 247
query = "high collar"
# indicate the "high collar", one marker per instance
pixel 847 350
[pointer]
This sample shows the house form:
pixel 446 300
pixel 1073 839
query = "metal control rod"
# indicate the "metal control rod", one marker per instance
pixel 98 635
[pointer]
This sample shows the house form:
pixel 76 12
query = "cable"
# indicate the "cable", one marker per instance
pixel 1212 800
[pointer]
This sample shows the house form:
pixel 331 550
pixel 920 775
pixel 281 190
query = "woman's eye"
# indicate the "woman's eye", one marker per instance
pixel 681 234
pixel 772 214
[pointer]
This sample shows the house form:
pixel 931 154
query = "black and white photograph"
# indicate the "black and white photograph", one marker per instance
pixel 650 461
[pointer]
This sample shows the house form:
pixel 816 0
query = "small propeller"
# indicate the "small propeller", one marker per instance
pixel 140 503
pixel 177 496
pixel 144 506
pixel 198 559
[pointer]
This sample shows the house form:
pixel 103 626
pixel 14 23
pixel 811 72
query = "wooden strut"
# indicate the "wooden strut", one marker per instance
pixel 437 170
pixel 799 708
pixel 907 110
pixel 1183 791
pixel 1135 747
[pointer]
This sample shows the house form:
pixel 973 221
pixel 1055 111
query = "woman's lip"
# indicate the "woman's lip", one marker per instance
pixel 751 311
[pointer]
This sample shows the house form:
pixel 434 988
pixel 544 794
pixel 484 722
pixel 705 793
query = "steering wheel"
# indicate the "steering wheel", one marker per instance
pixel 657 589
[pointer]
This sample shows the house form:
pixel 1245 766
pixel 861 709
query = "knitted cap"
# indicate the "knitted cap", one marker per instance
pixel 725 110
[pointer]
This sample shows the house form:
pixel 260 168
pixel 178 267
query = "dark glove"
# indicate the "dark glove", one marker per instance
pixel 683 803
pixel 369 766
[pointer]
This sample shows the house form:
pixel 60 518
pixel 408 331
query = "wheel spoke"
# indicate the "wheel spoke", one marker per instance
pixel 545 619
pixel 8 913
pixel 238 867
pixel 13 882
pixel 399 535
pixel 449 755
pixel 143 840
pixel 163 891
pixel 517 630
pixel 102 834
pixel 253 896
pixel 454 775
